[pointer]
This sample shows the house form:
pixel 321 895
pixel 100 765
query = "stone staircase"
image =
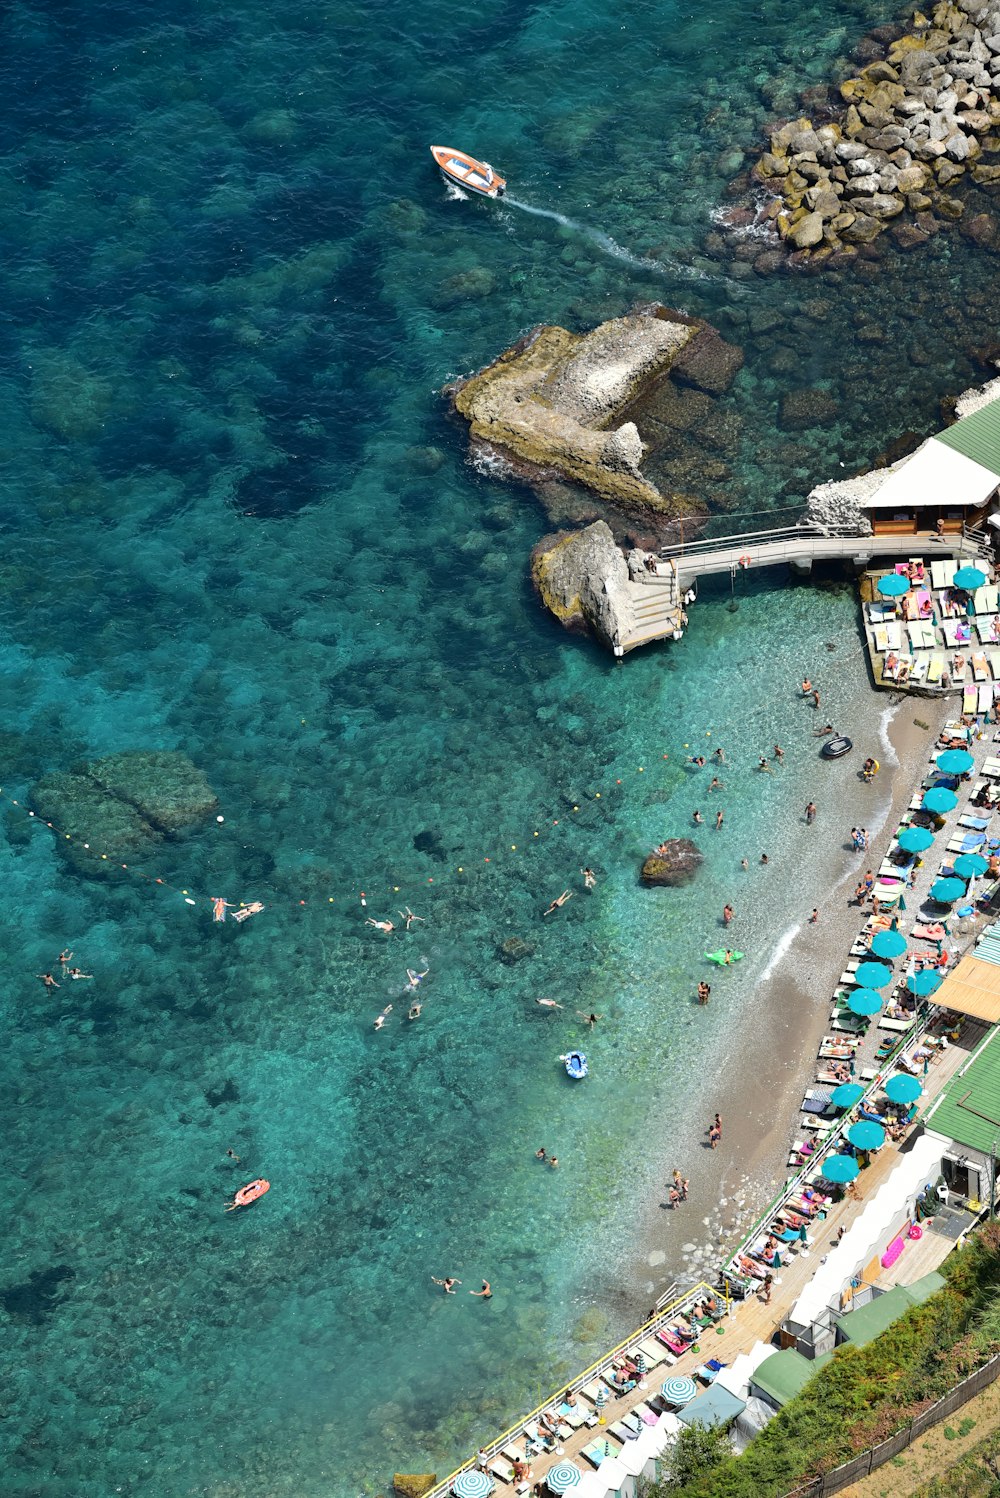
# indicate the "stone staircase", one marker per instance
pixel 654 612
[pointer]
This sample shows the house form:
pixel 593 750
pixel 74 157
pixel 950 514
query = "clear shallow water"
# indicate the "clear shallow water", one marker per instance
pixel 224 326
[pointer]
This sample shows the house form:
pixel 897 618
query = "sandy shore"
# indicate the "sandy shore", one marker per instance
pixel 759 1094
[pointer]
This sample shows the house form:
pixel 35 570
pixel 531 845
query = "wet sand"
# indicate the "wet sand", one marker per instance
pixel 759 1090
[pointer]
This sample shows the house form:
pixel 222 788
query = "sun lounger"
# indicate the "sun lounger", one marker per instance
pixel 969 698
pixel 598 1451
pixel 850 1024
pixel 654 1352
pixel 576 1415
pixel 935 668
pixel 943 571
pixel 991 768
pixel 986 599
pixel 590 1391
pixel 957 633
pixel 880 612
pixel 921 662
pixel 898 1026
pixel 985 703
pixel 501 1469
pixel 980 670
pixel 993 656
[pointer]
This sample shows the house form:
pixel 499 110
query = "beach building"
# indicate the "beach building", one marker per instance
pixel 965 1119
pixel 949 484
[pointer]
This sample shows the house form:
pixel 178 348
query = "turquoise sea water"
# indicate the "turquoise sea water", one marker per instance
pixel 231 289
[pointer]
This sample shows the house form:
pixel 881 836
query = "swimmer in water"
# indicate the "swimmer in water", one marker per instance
pixel 590 1019
pixel 416 978
pixel 385 926
pixel 219 908
pixel 414 1011
pixel 65 957
pixel 381 1019
pixel 48 980
pixel 75 972
pixel 409 917
pixel 589 878
pixel 549 1004
pixel 559 902
pixel 246 911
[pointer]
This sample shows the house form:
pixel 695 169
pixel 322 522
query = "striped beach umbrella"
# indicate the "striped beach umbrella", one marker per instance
pixel 940 799
pixel 903 1089
pixel 888 944
pixel 562 1476
pixel 679 1390
pixel 873 975
pixel 916 839
pixel 472 1484
pixel 640 1365
pixel 924 983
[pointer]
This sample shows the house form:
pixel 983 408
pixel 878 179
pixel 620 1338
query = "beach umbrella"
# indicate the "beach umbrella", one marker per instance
pixel 888 944
pixel 839 1168
pixel 562 1476
pixel 602 1398
pixel 864 1001
pixel 924 983
pixel 679 1390
pixel 946 890
pixel 968 865
pixel 902 1089
pixel 873 975
pixel 472 1484
pixel 915 839
pixel 894 585
pixel 866 1135
pixel 968 578
pixel 940 799
pixel 955 761
pixel 847 1094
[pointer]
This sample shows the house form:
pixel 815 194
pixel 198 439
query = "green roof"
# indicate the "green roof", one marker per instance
pixel 977 436
pixel 923 1289
pixel 968 1110
pixel 785 1374
pixel 865 1324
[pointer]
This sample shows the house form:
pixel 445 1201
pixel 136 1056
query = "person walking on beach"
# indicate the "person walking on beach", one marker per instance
pixel 765 1293
pixel 714 1132
pixel 869 881
pixel 720 817
pixel 860 894
pixel 810 813
pixel 814 917
pixel 559 902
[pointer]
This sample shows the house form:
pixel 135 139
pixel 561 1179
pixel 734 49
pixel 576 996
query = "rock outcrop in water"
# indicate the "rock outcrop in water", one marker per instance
pixel 582 578
pixel 552 406
pixel 914 124
pixel 122 805
pixel 676 862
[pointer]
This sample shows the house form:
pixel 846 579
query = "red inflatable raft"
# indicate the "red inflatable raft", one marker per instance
pixel 248 1194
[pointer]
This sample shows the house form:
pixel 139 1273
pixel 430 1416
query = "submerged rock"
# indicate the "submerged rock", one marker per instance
pixel 122 805
pixel 676 862
pixel 515 949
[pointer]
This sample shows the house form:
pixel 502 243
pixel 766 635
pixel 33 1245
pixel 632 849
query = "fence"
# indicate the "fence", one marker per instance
pixel 867 1461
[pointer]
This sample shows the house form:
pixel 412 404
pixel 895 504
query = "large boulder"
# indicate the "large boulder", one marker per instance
pixel 675 862
pixel 110 810
pixel 708 363
pixel 582 578
pixel 807 408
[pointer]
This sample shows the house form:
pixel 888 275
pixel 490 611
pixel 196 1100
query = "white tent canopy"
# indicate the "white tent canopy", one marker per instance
pixel 936 476
pixel 919 1165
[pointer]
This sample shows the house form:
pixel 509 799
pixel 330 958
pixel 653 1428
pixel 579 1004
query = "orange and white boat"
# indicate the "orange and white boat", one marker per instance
pixel 248 1194
pixel 466 171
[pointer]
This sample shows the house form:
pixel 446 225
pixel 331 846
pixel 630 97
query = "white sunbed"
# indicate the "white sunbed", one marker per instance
pixel 880 612
pixel 898 1026
pixel 970 697
pixel 991 768
pixel 935 668
pixel 921 662
pixel 986 599
pixel 941 576
pixel 980 670
pixel 957 634
pixel 985 696
pixel 993 656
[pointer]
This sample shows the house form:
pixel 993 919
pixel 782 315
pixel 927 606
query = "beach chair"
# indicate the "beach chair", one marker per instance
pixel 939 578
pixel 989 597
pixel 980 670
pixel 985 703
pixel 993 656
pixel 935 668
pixel 597 1451
pixel 626 1429
pixel 880 612
pixel 655 1353
pixel 897 1026
pixel 970 697
pixel 881 638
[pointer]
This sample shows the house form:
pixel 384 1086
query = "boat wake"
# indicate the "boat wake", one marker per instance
pixel 607 244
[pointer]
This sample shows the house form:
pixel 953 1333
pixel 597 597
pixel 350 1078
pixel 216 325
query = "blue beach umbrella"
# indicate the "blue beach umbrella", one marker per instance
pixel 955 761
pixel 894 585
pixel 873 975
pixel 562 1476
pixel 847 1094
pixel 924 983
pixel 903 1089
pixel 968 865
pixel 916 839
pixel 968 578
pixel 472 1484
pixel 864 1000
pixel 679 1390
pixel 866 1135
pixel 947 890
pixel 940 799
pixel 839 1168
pixel 888 944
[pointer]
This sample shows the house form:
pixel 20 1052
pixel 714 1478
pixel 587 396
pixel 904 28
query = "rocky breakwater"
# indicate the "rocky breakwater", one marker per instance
pixel 562 406
pixel 913 125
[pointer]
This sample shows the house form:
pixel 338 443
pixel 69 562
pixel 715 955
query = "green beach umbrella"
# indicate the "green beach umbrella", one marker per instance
pixel 847 1094
pixel 888 944
pixel 894 585
pixel 679 1390
pixel 562 1476
pixel 473 1484
pixel 940 799
pixel 924 983
pixel 969 865
pixel 865 1000
pixel 946 890
pixel 915 839
pixel 866 1135
pixel 955 761
pixel 903 1089
pixel 969 579
pixel 873 975
pixel 839 1168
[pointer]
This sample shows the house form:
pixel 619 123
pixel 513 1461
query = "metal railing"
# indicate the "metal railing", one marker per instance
pixel 800 531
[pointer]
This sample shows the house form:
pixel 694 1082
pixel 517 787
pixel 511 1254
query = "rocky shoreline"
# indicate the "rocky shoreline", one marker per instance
pixel 891 154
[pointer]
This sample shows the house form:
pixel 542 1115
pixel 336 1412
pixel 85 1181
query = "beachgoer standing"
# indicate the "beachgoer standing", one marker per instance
pixel 720 817
pixel 727 957
pixel 697 818
pixel 727 914
pixel 764 858
pixel 765 1293
pixel 814 917
pixel 704 992
pixel 810 813
pixel 815 697
pixel 719 755
pixel 779 754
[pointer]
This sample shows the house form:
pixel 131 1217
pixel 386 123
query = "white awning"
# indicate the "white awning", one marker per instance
pixel 935 477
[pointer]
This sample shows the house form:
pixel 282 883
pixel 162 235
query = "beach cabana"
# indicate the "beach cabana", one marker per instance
pixel 868 1322
pixel 716 1406
pixel 785 1374
pixel 952 478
